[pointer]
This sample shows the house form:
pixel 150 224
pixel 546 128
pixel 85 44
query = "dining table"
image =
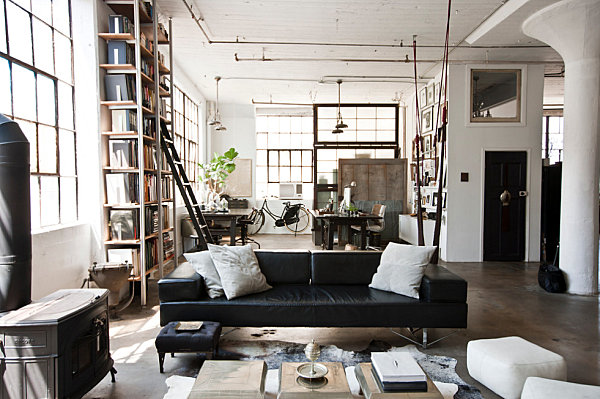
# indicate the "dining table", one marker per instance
pixel 223 223
pixel 331 221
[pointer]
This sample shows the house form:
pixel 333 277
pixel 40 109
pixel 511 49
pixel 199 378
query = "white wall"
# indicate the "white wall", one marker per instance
pixel 240 121
pixel 466 147
pixel 61 255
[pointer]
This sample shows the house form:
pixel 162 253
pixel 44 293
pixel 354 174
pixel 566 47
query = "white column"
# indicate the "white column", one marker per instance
pixel 572 28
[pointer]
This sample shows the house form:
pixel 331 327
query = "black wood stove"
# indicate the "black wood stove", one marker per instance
pixel 56 347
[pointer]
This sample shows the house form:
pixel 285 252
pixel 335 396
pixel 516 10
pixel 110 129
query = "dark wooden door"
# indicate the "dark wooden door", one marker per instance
pixel 504 205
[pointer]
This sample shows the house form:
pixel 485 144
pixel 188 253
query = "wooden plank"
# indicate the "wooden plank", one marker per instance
pixel 361 177
pixel 377 183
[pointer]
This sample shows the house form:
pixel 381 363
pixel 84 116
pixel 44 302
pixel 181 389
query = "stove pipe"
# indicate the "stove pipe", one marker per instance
pixel 15 217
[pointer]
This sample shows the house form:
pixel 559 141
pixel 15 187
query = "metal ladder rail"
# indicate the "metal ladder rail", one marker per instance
pixel 185 188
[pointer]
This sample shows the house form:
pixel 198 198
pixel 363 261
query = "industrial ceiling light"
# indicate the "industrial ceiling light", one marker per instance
pixel 340 122
pixel 216 121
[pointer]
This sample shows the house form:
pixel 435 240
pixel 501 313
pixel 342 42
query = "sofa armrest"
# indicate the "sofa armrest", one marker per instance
pixel 441 285
pixel 183 284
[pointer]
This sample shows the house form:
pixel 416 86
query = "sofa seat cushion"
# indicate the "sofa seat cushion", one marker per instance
pixel 357 295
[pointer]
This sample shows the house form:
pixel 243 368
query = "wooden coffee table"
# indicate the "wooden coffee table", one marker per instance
pixel 335 387
pixel 369 388
pixel 231 379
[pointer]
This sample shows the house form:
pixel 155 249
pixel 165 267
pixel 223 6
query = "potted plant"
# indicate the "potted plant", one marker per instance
pixel 215 172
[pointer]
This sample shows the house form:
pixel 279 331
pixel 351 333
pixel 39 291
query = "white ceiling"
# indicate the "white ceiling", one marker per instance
pixel 312 74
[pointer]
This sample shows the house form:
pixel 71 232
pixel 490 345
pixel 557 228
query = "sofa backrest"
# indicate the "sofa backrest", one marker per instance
pixel 344 267
pixel 284 266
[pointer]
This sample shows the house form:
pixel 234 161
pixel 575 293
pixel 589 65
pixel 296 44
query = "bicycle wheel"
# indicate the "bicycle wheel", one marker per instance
pixel 303 221
pixel 259 221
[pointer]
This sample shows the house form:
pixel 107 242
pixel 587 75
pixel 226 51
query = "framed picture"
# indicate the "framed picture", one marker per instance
pixel 413 172
pixel 436 93
pixel 423 97
pixel 427 120
pixel 427 143
pixel 495 95
pixel 434 199
pixel 430 94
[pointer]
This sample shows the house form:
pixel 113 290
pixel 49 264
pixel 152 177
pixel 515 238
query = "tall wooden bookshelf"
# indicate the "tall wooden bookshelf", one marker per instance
pixel 152 210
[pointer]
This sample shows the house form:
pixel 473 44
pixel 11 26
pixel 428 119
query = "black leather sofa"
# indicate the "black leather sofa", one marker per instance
pixel 318 289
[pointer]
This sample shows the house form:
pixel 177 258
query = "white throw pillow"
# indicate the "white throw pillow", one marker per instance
pixel 204 266
pixel 238 269
pixel 401 269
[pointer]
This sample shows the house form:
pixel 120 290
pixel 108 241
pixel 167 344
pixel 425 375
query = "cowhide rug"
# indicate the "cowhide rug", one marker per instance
pixel 441 369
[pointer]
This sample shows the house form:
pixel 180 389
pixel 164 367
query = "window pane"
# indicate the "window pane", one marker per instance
pixel 366 112
pixel 30 132
pixel 67 153
pixel 47 149
pixel 261 157
pixel 42 46
pixel 23 92
pixel 42 9
pixel 296 158
pixel 307 175
pixel 61 18
pixel 65 105
pixel 284 174
pixel 296 174
pixel 307 124
pixel 327 112
pixel 19 33
pixel 261 174
pixel 285 140
pixel 386 112
pixel 296 122
pixel 306 158
pixel 68 199
pixel 46 100
pixel 49 199
pixel 5 100
pixel 34 188
pixel 284 158
pixel 273 158
pixel 273 123
pixel 62 48
pixel 386 136
pixel 273 174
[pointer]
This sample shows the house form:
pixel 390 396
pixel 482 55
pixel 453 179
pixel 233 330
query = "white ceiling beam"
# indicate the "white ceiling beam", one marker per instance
pixel 500 15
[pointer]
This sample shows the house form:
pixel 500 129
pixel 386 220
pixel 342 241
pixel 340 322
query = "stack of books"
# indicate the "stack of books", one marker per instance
pixel 398 372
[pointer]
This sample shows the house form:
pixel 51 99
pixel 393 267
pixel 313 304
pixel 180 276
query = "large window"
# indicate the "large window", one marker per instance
pixel 185 116
pixel 284 150
pixel 372 132
pixel 36 86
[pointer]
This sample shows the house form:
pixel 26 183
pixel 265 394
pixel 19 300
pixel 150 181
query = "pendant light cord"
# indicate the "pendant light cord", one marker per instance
pixel 420 237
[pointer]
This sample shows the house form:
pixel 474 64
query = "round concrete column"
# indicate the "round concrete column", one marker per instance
pixel 572 28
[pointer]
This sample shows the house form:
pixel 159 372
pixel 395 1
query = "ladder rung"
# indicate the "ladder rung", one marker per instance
pixel 178 162
pixel 186 184
pixel 168 140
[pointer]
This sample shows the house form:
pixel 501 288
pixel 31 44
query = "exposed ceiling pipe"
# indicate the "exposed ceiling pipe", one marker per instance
pixel 237 41
pixel 280 103
pixel 333 79
pixel 379 60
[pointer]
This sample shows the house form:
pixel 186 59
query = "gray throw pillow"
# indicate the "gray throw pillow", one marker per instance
pixel 238 269
pixel 401 269
pixel 204 266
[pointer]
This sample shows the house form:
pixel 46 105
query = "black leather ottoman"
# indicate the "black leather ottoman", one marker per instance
pixel 204 340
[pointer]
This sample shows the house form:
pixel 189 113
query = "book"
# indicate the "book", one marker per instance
pixel 126 255
pixel 124 224
pixel 418 386
pixel 119 53
pixel 119 87
pixel 122 188
pixel 188 325
pixel 123 153
pixel 397 367
pixel 124 120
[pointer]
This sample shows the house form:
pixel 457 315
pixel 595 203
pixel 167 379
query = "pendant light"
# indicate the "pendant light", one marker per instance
pixel 216 121
pixel 340 122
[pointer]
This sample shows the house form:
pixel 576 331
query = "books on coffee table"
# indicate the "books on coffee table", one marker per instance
pixel 398 372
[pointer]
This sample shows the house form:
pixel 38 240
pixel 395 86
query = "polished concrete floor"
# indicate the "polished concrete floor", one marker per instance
pixel 504 299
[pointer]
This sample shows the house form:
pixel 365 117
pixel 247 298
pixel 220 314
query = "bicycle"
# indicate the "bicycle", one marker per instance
pixel 294 217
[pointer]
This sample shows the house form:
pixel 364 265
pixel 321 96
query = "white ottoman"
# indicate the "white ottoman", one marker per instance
pixel 543 388
pixel 503 364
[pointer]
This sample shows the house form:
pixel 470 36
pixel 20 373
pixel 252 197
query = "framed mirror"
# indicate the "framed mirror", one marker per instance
pixel 495 95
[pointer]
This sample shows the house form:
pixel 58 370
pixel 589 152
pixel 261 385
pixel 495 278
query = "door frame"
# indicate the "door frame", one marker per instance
pixel 527 150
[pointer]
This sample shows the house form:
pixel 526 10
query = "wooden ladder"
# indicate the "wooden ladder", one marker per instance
pixel 185 188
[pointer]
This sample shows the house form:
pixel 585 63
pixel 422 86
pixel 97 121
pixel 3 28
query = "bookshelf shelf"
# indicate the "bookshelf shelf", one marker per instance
pixel 117 36
pixel 130 138
pixel 119 68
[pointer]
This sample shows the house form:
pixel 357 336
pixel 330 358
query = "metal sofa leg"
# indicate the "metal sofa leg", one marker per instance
pixel 425 337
